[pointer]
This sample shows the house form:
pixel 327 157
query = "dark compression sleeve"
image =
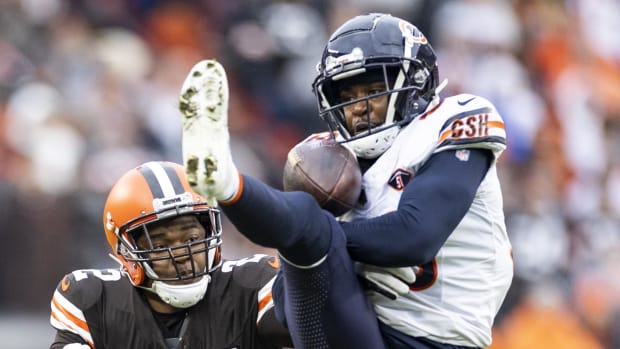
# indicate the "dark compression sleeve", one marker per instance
pixel 431 206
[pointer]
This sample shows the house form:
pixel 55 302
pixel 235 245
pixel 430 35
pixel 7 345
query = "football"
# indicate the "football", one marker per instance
pixel 326 170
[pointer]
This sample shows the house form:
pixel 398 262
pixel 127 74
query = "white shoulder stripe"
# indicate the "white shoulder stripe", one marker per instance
pixel 265 300
pixel 68 306
pixel 62 325
pixel 65 316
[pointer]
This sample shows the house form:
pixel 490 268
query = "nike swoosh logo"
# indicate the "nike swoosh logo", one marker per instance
pixel 466 101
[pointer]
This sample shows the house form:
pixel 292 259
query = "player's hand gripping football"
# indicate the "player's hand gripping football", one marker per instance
pixel 389 282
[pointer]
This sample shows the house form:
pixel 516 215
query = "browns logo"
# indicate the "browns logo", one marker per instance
pixel 65 283
pixel 274 262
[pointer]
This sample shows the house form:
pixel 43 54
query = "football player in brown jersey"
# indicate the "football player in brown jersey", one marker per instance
pixel 174 289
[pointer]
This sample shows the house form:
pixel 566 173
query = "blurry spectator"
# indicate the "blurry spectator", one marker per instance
pixel 543 320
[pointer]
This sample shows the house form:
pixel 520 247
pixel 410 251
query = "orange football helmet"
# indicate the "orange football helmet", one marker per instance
pixel 150 193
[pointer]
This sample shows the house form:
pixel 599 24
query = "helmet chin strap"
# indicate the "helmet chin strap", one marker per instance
pixel 439 88
pixel 180 296
pixel 373 145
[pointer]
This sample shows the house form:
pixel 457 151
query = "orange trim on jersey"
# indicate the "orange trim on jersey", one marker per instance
pixel 65 283
pixel 263 302
pixel 428 283
pixel 444 136
pixel 274 262
pixel 75 320
pixel 237 195
pixel 497 124
pixel 90 344
pixel 430 111
pixel 492 124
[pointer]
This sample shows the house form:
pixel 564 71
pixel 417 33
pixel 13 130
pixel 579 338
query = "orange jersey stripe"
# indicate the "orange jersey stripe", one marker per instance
pixel 496 124
pixel 492 124
pixel 444 136
pixel 75 320
pixel 237 195
pixel 90 344
pixel 263 302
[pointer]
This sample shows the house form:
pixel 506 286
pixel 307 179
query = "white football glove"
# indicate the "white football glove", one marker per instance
pixel 389 282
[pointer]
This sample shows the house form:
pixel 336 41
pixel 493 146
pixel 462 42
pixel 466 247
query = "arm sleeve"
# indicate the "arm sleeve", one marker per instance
pixel 430 208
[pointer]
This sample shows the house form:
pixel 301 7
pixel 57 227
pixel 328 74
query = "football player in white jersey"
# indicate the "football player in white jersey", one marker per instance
pixel 431 194
pixel 431 200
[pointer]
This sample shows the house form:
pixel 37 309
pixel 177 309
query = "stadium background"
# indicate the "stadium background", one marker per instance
pixel 88 89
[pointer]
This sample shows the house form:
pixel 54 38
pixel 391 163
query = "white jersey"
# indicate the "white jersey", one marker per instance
pixel 457 295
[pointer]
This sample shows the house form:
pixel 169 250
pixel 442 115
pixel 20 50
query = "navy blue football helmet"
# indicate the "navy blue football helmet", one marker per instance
pixel 376 47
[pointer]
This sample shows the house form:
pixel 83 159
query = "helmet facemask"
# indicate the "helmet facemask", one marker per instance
pixel 148 254
pixel 373 44
pixel 136 246
pixel 165 236
pixel 408 94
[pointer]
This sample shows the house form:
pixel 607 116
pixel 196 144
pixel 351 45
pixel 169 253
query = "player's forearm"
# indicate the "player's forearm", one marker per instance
pixel 388 241
pixel 265 215
pixel 431 207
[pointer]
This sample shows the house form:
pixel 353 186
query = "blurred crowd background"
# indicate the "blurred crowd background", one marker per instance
pixel 88 89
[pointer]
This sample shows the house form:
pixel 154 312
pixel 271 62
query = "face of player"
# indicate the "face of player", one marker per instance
pixel 356 115
pixel 175 234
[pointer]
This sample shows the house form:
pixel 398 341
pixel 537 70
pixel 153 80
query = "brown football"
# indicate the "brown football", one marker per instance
pixel 326 170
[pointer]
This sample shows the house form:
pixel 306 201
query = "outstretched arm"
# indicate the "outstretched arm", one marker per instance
pixel 431 207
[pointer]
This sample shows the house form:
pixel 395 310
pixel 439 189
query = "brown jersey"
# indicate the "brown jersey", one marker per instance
pixel 102 309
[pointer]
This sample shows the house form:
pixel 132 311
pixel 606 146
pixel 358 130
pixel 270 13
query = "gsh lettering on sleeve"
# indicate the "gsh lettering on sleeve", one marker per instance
pixel 471 126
